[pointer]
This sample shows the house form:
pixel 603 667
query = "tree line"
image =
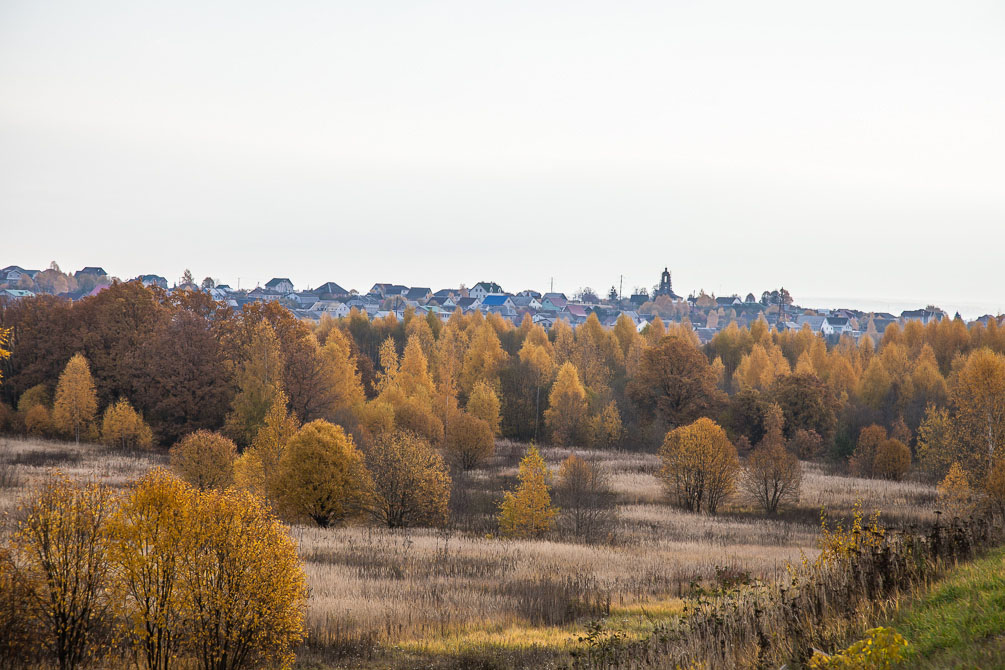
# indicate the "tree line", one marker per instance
pixel 931 396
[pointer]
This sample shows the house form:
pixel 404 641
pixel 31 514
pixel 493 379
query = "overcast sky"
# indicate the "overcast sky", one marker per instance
pixel 853 152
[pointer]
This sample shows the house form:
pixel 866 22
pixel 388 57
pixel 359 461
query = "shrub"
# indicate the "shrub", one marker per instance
pixel 123 427
pixel 699 465
pixel 36 395
pixel 892 460
pixel 584 494
pixel 806 444
pixel 882 649
pixel 772 476
pixel 411 484
pixel 61 548
pixel 244 588
pixel 38 421
pixel 864 457
pixel 322 475
pixel 469 440
pixel 205 459
pixel 956 498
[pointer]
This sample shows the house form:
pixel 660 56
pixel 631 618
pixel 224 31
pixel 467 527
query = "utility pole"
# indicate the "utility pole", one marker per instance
pixel 552 289
pixel 621 287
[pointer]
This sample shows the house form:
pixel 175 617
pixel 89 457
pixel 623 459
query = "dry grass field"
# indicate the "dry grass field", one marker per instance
pixel 409 597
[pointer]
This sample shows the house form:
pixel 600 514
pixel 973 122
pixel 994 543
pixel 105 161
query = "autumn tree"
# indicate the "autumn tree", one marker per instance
pixel 76 399
pixel 956 497
pixel 675 382
pixel 700 465
pixel 468 440
pixel 256 469
pixel 4 351
pixel 772 476
pixel 484 403
pixel 978 399
pixel 536 353
pixel 938 446
pixel 892 460
pixel 807 403
pixel 259 381
pixel 864 456
pixel 123 427
pixel 204 459
pixel 606 428
pixel 146 531
pixel 567 411
pixel 583 492
pixel 483 359
pixel 61 544
pixel 411 484
pixel 245 591
pixel 528 512
pixel 322 475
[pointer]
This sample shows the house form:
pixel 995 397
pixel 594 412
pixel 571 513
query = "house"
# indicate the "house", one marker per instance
pixel 495 300
pixel 330 288
pixel 728 301
pixel 418 294
pixel 530 293
pixel 575 314
pixel 90 271
pixel 335 308
pixel 280 285
pixel 467 304
pixel 554 302
pixel 484 288
pixel 15 294
pixel 260 294
pixel 526 302
pixel 445 293
pixel 925 316
pixel 13 273
pixel 639 299
pixel 303 299
pixel 387 290
pixel 153 280
pixel 839 325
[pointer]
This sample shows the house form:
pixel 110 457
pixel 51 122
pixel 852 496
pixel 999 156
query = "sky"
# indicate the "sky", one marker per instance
pixel 852 152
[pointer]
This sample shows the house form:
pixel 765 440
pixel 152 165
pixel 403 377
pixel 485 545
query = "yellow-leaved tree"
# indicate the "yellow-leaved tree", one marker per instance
pixel 76 399
pixel 483 359
pixel 411 484
pixel 978 396
pixel 256 469
pixel 484 403
pixel 700 465
pixel 322 476
pixel 566 414
pixel 259 379
pixel 123 427
pixel 606 428
pixel 205 459
pixel 528 511
pixel 956 497
pixel 61 546
pixel 4 351
pixel 146 532
pixel 245 591
pixel 468 440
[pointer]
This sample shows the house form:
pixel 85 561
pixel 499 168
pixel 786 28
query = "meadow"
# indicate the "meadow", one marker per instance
pixel 424 597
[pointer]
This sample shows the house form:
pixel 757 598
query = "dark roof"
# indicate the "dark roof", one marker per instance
pixel 276 281
pixel 464 303
pixel 417 293
pixel 91 270
pixel 330 288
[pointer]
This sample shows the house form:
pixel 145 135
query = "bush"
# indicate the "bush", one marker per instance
pixel 882 649
pixel 699 465
pixel 123 427
pixel 956 498
pixel 411 484
pixel 469 440
pixel 772 476
pixel 892 460
pixel 322 476
pixel 806 444
pixel 205 459
pixel 38 421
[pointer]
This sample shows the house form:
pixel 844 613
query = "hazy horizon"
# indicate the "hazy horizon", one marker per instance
pixel 852 151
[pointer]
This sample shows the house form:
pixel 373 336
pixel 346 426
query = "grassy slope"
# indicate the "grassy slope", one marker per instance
pixel 960 622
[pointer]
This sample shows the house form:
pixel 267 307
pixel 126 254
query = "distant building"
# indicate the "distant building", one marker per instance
pixel 666 286
pixel 280 285
pixel 153 280
pixel 90 271
pixel 13 273
pixel 331 289
pixel 484 288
